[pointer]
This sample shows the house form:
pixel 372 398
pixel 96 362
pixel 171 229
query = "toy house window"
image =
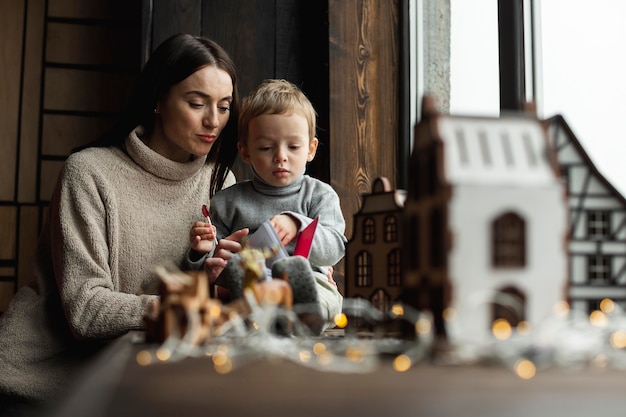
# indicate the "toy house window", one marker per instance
pixel 508 241
pixel 369 230
pixel 599 269
pixel 391 229
pixel 598 225
pixel 462 147
pixel 363 269
pixel 394 268
pixel 484 147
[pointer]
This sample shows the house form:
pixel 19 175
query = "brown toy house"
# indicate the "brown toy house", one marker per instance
pixel 374 253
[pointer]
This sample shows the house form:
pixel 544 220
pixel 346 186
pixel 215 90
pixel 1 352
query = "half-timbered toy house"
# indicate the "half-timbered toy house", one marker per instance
pixel 597 229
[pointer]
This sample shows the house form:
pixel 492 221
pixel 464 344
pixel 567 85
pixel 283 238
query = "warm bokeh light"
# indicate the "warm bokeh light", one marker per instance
pixel 561 308
pixel 423 326
pixel 355 354
pixel 397 310
pixel 341 320
pixel 618 339
pixel 319 348
pixel 449 314
pixel 224 366
pixel 607 306
pixel 163 354
pixel 525 369
pixel 501 329
pixel 220 358
pixel 215 311
pixel 402 363
pixel 524 328
pixel 598 318
pixel 304 356
pixel 144 358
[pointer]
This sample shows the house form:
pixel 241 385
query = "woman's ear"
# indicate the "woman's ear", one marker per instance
pixel 312 149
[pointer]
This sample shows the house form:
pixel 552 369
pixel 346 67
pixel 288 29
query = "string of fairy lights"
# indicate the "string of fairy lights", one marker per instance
pixel 565 339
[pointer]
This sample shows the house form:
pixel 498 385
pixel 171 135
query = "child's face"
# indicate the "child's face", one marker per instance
pixel 278 147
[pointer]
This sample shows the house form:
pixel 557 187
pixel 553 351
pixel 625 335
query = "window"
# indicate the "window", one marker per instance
pixel 508 241
pixel 369 230
pixel 599 269
pixel 363 269
pixel 391 229
pixel 598 225
pixel 394 272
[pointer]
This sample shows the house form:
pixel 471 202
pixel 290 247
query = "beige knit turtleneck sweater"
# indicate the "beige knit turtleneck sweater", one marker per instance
pixel 114 215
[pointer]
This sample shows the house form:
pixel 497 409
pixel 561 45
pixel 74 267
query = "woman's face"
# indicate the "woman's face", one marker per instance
pixel 192 114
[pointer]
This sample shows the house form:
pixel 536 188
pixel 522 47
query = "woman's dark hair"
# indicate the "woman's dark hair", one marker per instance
pixel 171 62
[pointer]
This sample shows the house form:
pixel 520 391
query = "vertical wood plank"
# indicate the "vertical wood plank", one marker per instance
pixel 29 232
pixel 302 58
pixel 31 92
pixel 172 17
pixel 8 219
pixel 49 172
pixel 6 294
pixel 247 31
pixel 11 40
pixel 363 66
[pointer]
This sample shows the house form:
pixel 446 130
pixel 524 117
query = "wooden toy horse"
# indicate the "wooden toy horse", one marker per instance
pixel 273 292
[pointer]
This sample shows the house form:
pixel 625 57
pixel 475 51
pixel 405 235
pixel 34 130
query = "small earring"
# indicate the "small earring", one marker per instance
pixel 155 111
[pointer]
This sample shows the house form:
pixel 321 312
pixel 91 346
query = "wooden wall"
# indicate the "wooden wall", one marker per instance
pixel 68 66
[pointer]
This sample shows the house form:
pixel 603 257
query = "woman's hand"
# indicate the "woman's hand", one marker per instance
pixel 223 252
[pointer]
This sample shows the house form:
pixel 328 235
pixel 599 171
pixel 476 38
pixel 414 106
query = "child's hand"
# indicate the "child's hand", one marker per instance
pixel 202 236
pixel 286 227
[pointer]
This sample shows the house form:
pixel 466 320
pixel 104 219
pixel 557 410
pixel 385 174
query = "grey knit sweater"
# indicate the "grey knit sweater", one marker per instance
pixel 250 203
pixel 115 213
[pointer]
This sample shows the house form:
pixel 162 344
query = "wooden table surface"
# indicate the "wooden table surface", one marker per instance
pixel 118 386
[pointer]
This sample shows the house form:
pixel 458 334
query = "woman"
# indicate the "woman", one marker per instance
pixel 121 206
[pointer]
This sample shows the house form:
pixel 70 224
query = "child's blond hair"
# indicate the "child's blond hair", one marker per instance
pixel 275 96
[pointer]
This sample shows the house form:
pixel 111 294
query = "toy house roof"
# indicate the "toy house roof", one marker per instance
pixel 382 198
pixel 509 150
pixel 558 122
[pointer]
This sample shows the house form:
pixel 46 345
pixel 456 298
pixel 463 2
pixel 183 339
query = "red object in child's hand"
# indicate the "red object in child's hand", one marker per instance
pixel 205 212
pixel 305 240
